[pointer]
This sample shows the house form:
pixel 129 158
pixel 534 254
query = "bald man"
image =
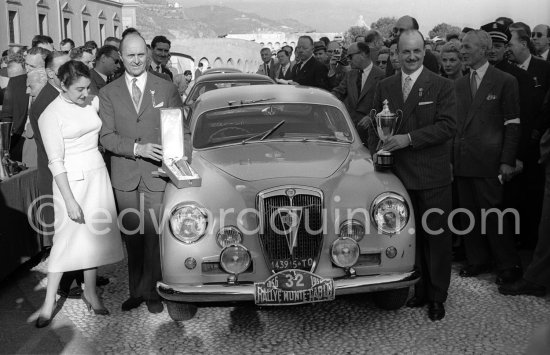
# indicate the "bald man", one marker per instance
pixel 131 122
pixel 541 41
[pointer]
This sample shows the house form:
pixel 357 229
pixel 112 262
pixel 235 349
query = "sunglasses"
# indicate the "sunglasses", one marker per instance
pixel 396 30
pixel 536 35
pixel 350 55
pixel 381 62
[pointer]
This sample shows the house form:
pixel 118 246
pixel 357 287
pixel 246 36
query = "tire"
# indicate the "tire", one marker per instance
pixel 180 311
pixel 392 299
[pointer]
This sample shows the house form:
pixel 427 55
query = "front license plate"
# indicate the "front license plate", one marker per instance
pixel 293 286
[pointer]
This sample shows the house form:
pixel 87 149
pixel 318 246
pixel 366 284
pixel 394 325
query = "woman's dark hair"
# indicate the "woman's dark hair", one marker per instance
pixel 71 71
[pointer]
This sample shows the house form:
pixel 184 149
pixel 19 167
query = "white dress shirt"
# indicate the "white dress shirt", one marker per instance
pixel 525 64
pixel 480 73
pixel 365 75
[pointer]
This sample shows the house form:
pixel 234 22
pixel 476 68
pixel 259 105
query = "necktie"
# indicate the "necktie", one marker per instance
pixel 363 79
pixel 136 92
pixel 407 86
pixel 158 68
pixel 266 69
pixel 473 83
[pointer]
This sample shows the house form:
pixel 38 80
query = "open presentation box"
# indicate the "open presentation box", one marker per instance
pixel 174 161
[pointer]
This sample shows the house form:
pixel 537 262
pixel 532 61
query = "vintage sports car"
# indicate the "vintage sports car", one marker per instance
pixel 289 210
pixel 221 70
pixel 216 81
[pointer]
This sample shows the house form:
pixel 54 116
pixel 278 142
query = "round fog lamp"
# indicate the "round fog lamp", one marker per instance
pixel 344 252
pixel 228 236
pixel 235 259
pixel 352 229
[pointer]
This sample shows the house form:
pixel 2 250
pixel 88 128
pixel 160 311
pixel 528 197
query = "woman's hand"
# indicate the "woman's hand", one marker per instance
pixel 75 212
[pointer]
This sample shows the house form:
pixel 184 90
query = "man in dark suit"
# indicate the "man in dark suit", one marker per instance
pixel 422 152
pixel 160 55
pixel 283 69
pixel 107 62
pixel 269 66
pixel 485 150
pixel 541 41
pixel 129 110
pixel 536 279
pixel 309 71
pixel 357 88
pixel 16 103
pixel 539 73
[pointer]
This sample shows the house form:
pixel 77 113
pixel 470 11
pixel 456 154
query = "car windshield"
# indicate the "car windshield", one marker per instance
pixel 264 122
pixel 201 88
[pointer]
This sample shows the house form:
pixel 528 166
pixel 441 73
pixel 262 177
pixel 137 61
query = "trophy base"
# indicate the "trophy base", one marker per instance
pixel 384 160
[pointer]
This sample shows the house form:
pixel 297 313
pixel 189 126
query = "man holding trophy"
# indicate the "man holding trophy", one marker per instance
pixel 419 153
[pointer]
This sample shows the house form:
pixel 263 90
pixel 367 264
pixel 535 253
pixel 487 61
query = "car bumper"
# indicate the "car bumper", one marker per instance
pixel 245 292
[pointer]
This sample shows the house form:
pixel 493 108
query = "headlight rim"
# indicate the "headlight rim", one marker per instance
pixel 239 246
pixel 380 198
pixel 352 221
pixel 228 227
pixel 332 254
pixel 202 210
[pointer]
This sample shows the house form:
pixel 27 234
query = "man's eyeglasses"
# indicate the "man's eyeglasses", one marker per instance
pixel 350 55
pixel 378 62
pixel 536 35
pixel 396 30
pixel 117 61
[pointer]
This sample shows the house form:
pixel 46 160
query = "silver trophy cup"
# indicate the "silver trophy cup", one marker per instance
pixel 386 123
pixel 5 140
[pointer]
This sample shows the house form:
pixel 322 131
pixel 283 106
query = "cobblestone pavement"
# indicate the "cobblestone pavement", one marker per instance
pixel 479 321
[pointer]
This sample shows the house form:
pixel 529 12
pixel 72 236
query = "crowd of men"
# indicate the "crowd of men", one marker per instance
pixel 475 133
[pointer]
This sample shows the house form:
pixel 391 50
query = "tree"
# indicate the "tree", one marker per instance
pixel 442 30
pixel 354 31
pixel 384 25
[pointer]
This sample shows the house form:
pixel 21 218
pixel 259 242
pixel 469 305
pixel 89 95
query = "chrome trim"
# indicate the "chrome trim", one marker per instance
pixel 245 292
pixel 203 210
pixel 380 198
pixel 298 190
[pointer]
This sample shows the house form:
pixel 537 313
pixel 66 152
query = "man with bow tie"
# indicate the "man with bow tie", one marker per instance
pixel 421 148
pixel 484 157
pixel 357 88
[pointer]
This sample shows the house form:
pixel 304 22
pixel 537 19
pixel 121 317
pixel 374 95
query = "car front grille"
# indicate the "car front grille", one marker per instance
pixel 275 237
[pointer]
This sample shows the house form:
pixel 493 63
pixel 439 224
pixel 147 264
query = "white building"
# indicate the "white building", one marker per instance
pixel 80 20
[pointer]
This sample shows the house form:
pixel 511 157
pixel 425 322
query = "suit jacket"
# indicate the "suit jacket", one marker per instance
pixel 123 126
pixel 279 73
pixel 16 102
pixel 358 103
pixel 44 98
pixel 272 69
pixel 539 70
pixel 313 73
pixel 545 139
pixel 429 117
pixel 484 139
pixel 165 73
pixel 96 83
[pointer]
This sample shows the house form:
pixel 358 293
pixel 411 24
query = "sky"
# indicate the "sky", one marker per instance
pixel 339 15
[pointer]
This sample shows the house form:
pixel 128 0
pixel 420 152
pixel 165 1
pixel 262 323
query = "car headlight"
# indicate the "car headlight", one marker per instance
pixel 188 223
pixel 235 259
pixel 344 252
pixel 352 229
pixel 228 236
pixel 390 212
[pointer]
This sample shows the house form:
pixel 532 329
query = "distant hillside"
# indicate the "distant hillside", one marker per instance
pixel 161 17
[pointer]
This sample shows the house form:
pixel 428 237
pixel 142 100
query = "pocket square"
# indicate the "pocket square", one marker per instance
pixel 491 97
pixel 425 103
pixel 159 105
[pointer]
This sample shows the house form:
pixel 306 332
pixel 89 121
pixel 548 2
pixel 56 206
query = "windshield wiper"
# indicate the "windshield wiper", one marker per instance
pixel 332 138
pixel 265 134
pixel 247 102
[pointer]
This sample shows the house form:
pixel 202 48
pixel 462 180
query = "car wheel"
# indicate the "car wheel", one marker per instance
pixel 180 311
pixel 391 299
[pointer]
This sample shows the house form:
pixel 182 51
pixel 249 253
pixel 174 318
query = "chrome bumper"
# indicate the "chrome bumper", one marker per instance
pixel 230 293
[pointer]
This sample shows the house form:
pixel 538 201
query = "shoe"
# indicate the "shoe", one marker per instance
pixel 509 275
pixel 99 311
pixel 522 287
pixel 155 306
pixel 101 281
pixel 474 270
pixel 436 311
pixel 131 303
pixel 42 322
pixel 416 302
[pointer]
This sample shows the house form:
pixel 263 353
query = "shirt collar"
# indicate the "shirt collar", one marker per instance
pixel 104 77
pixel 141 80
pixel 482 70
pixel 413 76
pixel 155 64
pixel 305 61
pixel 544 55
pixel 368 68
pixel 525 64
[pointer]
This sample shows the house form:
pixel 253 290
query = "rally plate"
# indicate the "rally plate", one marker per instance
pixel 293 286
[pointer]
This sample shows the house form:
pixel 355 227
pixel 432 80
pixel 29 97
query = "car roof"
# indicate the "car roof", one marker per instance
pixel 218 77
pixel 221 70
pixel 277 93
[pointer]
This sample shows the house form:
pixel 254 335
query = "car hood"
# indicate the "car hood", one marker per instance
pixel 268 160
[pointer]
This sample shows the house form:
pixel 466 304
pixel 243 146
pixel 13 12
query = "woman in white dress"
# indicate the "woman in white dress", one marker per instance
pixel 86 231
